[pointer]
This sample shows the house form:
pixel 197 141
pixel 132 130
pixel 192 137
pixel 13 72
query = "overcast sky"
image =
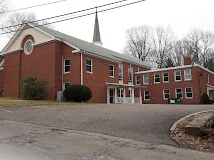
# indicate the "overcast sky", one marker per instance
pixel 181 15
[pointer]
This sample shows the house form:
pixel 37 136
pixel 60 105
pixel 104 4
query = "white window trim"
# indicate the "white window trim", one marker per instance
pixel 64 85
pixel 131 74
pixel 28 53
pixel 91 66
pixel 175 76
pixel 190 75
pixel 145 96
pixel 136 79
pixel 164 94
pixel 121 71
pixel 163 77
pixel 67 65
pixel 144 78
pixel 188 92
pixel 154 78
pixel 176 92
pixel 111 70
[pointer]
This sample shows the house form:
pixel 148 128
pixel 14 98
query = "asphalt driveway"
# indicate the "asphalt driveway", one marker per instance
pixel 147 123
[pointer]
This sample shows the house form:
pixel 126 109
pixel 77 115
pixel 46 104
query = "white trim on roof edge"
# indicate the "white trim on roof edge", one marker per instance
pixel 5 53
pixel 174 68
pixel 12 39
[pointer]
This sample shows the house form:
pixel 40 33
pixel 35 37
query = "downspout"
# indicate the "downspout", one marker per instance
pixel 81 66
pixel 200 75
pixel 20 64
pixel 62 63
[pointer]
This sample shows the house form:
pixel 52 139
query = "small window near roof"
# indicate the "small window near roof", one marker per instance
pixel 146 79
pixel 88 65
pixel 67 66
pixel 166 77
pixel 177 75
pixel 157 77
pixel 111 70
pixel 28 47
pixel 138 80
pixel 187 74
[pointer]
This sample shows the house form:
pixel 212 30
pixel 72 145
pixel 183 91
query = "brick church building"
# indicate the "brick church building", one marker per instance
pixel 62 60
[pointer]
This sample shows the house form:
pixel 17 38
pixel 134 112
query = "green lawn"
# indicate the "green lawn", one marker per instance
pixel 5 102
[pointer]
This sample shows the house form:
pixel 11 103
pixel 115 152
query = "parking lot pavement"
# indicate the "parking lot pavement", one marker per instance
pixel 23 141
pixel 146 123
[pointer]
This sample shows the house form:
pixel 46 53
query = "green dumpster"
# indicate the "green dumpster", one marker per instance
pixel 174 101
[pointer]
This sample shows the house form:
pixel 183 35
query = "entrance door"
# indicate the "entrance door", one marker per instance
pixel 111 96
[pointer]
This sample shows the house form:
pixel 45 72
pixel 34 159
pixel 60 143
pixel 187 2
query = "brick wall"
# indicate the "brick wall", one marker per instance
pixel 156 89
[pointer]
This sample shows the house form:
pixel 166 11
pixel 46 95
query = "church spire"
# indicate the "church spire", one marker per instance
pixel 96 37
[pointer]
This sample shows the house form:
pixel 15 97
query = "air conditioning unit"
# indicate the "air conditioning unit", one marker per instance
pixel 60 96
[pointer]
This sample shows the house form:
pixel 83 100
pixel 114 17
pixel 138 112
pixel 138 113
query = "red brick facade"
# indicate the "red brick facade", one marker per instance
pixel 200 78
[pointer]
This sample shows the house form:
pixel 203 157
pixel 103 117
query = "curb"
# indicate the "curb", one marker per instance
pixel 176 123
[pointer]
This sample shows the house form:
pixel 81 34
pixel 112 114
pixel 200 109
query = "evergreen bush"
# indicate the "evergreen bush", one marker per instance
pixel 77 93
pixel 205 98
pixel 32 89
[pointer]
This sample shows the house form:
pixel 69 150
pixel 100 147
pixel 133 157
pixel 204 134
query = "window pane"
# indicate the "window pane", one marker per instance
pixel 179 95
pixel 178 77
pixel 88 61
pixel 147 97
pixel 189 94
pixel 188 89
pixel 166 79
pixel 166 91
pixel 178 90
pixel 111 73
pixel 111 67
pixel 67 68
pixel 166 96
pixel 89 68
pixel 67 62
pixel 178 73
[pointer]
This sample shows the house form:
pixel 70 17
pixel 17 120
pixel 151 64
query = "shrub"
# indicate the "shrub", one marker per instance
pixel 77 93
pixel 205 98
pixel 32 89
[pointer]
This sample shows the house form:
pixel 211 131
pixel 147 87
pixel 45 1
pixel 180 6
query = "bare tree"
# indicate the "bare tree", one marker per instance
pixel 15 20
pixel 3 7
pixel 139 42
pixel 163 45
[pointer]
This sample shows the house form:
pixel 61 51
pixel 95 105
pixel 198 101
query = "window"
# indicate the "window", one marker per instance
pixel 28 48
pixel 111 70
pixel 146 95
pixel 189 92
pixel 67 66
pixel 178 93
pixel 177 75
pixel 165 77
pixel 138 80
pixel 157 77
pixel 66 84
pixel 121 92
pixel 88 65
pixel 166 94
pixel 187 74
pixel 130 74
pixel 130 92
pixel 146 79
pixel 120 72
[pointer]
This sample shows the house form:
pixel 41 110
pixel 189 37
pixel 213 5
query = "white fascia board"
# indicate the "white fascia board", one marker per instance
pixel 124 85
pixel 35 44
pixel 2 63
pixel 36 27
pixel 165 69
pixel 98 56
pixel 204 69
pixel 5 53
pixel 12 39
pixel 210 86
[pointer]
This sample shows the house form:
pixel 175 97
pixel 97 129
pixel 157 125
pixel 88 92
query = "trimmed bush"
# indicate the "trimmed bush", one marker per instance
pixel 32 89
pixel 205 99
pixel 77 93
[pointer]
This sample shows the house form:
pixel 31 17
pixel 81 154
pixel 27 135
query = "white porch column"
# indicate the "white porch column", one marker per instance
pixel 124 95
pixel 140 96
pixel 115 95
pixel 132 95
pixel 108 95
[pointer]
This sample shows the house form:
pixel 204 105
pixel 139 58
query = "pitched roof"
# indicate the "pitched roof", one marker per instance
pixel 82 45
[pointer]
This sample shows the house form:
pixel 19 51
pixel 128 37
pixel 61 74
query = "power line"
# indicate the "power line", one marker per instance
pixel 66 14
pixel 44 4
pixel 77 16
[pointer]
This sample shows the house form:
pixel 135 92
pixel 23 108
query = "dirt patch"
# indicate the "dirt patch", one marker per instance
pixel 201 143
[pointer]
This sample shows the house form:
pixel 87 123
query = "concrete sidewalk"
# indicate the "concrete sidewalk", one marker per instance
pixel 22 141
